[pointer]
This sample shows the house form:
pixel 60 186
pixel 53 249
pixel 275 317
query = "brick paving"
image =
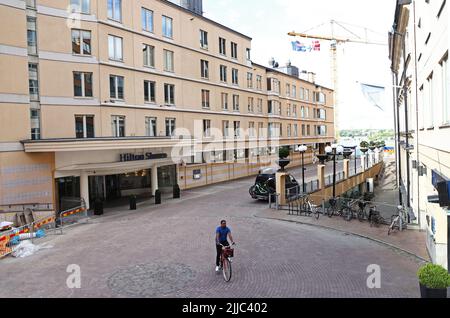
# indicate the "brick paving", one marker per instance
pixel 168 251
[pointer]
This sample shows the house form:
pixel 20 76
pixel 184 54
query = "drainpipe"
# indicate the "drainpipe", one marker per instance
pixel 399 157
pixel 405 96
pixel 417 114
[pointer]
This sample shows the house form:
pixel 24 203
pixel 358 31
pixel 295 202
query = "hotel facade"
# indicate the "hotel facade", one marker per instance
pixel 100 99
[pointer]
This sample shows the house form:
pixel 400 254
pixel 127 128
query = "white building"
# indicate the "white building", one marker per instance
pixel 419 45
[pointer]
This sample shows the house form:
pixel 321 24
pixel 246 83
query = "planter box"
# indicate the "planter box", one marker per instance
pixel 432 293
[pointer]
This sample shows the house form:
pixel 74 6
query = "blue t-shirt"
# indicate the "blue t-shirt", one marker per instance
pixel 223 233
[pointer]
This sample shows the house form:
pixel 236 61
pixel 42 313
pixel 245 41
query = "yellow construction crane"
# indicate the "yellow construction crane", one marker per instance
pixel 334 62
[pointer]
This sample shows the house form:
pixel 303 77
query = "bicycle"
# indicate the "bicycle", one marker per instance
pixel 332 209
pixel 375 217
pixel 362 215
pixel 225 262
pixel 310 208
pixel 348 212
pixel 398 221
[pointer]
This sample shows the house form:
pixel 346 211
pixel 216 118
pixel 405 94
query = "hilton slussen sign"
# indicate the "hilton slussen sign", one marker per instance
pixel 126 157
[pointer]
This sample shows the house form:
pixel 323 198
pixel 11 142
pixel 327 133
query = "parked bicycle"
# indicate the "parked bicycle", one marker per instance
pixel 333 209
pixel 348 210
pixel 399 221
pixel 225 262
pixel 309 208
pixel 362 215
pixel 375 217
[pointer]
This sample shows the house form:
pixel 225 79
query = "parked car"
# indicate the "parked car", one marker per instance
pixel 265 185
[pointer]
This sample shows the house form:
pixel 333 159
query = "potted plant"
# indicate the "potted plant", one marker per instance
pixel 283 154
pixel 364 146
pixel 434 281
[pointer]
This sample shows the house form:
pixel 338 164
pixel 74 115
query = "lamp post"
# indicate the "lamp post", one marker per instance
pixel 335 150
pixel 302 150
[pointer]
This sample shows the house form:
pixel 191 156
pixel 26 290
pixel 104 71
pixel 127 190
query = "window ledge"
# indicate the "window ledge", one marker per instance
pixel 444 126
pixel 430 128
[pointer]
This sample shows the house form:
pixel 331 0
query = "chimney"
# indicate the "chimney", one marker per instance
pixel 312 77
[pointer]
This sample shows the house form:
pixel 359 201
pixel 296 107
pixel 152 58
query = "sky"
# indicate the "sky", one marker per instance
pixel 267 22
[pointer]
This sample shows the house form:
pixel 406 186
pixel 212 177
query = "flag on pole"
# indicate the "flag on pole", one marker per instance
pixel 298 46
pixel 374 94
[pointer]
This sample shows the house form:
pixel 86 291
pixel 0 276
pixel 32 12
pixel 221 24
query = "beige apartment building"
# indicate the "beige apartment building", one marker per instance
pixel 107 98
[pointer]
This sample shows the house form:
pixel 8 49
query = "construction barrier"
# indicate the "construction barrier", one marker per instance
pixel 40 229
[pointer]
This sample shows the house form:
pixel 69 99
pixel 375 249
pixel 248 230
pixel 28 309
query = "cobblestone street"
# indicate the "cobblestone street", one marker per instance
pixel 169 251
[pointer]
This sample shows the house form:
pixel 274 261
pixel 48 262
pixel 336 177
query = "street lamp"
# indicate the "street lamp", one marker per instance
pixel 302 150
pixel 335 150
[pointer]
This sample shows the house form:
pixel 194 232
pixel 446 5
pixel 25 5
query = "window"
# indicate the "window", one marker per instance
pixel 150 127
pixel 169 94
pixel 288 90
pixel 445 86
pixel 224 101
pixel 225 128
pixel 81 42
pixel 148 53
pixel 260 105
pixel 295 130
pixel 321 130
pixel 147 20
pixel 167 27
pixel 302 112
pixel 205 98
pixel 33 81
pixel 302 93
pixel 248 54
pixel 223 73
pixel 84 126
pixel 321 114
pixel 251 107
pixel 251 129
pixel 319 97
pixel 115 10
pixel 237 128
pixel 258 82
pixel 235 76
pixel 294 91
pixel 222 46
pixel 249 80
pixel 303 130
pixel 236 103
pixel 149 91
pixel 115 46
pixel 81 6
pixel 234 53
pixel 271 130
pixel 206 128
pixel 168 61
pixel 273 85
pixel 82 84
pixel 289 128
pixel 204 69
pixel 203 39
pixel 116 87
pixel 288 110
pixel 31 36
pixel 260 130
pixel 307 94
pixel 118 126
pixel 294 111
pixel 170 127
pixel 274 107
pixel 430 108
pixel 308 130
pixel 35 121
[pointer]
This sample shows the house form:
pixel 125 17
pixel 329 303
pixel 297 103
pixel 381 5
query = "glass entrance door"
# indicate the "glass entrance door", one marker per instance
pixel 167 177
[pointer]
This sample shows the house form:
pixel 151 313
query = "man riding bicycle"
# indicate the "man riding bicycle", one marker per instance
pixel 222 234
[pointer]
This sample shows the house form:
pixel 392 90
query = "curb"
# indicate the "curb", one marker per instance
pixel 351 233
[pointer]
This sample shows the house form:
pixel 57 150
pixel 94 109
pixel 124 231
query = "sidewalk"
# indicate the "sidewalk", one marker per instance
pixel 409 241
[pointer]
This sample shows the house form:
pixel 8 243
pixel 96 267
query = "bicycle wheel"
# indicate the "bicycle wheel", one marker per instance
pixel 316 212
pixel 226 270
pixel 330 211
pixel 349 215
pixel 361 215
